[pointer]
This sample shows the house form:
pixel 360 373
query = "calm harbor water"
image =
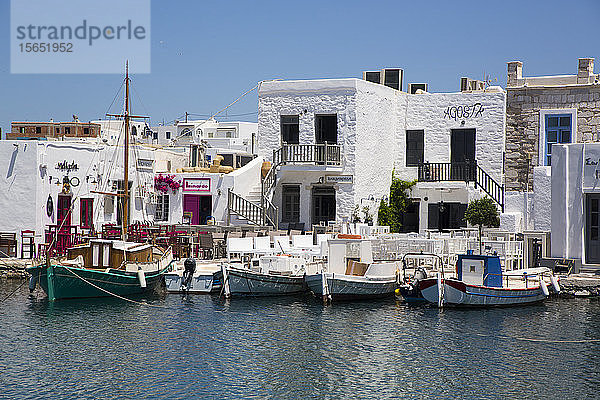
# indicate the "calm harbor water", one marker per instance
pixel 205 347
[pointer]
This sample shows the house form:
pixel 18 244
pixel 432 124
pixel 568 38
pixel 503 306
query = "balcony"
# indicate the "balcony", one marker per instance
pixel 311 154
pixel 437 172
pixel 463 172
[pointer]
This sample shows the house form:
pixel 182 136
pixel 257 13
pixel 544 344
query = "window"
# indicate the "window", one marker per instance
pixel 86 131
pixel 290 129
pixel 22 129
pixel 67 130
pixel 57 131
pixel 558 130
pixel 86 216
pixel 326 128
pixel 162 208
pixel 168 135
pixel 291 203
pixel 186 132
pixel 155 135
pixel 446 216
pixel 133 131
pixel 227 160
pixel 38 129
pixel 414 147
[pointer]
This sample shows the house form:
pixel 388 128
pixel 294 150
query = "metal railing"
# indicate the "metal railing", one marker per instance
pixel 318 154
pixel 465 172
pixel 244 208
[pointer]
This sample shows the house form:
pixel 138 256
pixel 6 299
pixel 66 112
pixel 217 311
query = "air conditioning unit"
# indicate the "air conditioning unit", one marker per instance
pixel 467 85
pixel 392 77
pixel 372 76
pixel 413 87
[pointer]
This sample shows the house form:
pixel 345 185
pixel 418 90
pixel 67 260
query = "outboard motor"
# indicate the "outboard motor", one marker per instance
pixel 420 274
pixel 32 283
pixel 189 268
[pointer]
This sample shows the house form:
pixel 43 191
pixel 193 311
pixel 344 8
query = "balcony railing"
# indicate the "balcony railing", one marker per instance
pixel 317 154
pixel 435 172
pixel 465 172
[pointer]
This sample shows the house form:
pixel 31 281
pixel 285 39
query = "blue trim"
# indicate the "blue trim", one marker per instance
pixel 504 297
pixel 559 129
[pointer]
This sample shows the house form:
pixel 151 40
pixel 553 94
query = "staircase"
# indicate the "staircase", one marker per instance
pixel 257 208
pixel 465 172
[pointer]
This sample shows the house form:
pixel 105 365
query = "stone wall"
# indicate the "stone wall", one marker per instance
pixel 523 124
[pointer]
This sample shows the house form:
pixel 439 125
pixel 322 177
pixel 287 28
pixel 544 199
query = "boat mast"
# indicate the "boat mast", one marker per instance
pixel 127 116
pixel 126 156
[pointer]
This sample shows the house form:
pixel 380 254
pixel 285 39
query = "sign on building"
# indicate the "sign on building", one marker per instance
pixel 196 185
pixel 591 167
pixel 145 164
pixel 339 179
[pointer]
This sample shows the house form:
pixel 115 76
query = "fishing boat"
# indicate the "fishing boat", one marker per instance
pixel 207 278
pixel 270 275
pixel 480 282
pixel 350 272
pixel 415 268
pixel 105 267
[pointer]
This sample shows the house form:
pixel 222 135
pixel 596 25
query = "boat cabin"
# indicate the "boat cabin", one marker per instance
pixel 101 254
pixel 479 270
pixel 349 256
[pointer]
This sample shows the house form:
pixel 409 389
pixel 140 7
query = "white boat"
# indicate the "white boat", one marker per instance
pixel 207 278
pixel 480 282
pixel 350 272
pixel 266 276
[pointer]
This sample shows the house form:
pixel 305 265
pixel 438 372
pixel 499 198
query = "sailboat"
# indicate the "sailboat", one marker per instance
pixel 102 267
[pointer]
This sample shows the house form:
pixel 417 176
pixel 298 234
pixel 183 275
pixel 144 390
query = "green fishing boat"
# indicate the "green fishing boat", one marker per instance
pixel 105 267
pixel 87 274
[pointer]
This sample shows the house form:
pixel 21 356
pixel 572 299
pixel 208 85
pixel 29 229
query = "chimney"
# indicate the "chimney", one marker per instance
pixel 515 73
pixel 585 72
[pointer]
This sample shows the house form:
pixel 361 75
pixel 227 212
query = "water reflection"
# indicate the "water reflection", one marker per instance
pixel 292 347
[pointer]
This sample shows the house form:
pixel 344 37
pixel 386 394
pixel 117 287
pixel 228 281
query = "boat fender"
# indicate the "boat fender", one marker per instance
pixel 141 277
pixel 32 283
pixel 544 287
pixel 555 284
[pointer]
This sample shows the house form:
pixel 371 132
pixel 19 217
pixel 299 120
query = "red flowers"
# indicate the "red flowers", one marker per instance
pixel 162 183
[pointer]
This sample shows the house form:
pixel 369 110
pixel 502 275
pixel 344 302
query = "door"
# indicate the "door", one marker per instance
pixel 323 199
pixel 198 206
pixel 592 230
pixel 63 213
pixel 462 154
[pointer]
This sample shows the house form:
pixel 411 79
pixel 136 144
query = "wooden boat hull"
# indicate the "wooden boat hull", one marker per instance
pixel 457 293
pixel 249 283
pixel 350 287
pixel 67 282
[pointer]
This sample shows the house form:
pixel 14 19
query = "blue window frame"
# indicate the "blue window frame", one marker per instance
pixel 558 130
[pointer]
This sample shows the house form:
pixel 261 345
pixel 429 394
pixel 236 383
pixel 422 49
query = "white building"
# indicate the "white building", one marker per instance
pixel 576 202
pixel 335 143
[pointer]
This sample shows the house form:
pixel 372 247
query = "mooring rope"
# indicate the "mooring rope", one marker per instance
pixel 14 291
pixel 525 339
pixel 114 294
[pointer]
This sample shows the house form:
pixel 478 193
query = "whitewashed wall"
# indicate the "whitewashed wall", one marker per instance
pixel 307 98
pixel 427 111
pixel 19 176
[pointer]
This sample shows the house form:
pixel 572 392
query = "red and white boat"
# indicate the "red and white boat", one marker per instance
pixel 481 282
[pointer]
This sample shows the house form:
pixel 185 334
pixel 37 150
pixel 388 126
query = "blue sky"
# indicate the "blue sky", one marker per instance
pixel 205 54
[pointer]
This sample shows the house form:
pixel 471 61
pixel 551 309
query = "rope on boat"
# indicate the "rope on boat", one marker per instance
pixel 14 291
pixel 114 294
pixel 525 339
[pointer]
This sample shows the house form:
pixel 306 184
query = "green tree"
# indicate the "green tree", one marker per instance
pixel 482 212
pixel 390 212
